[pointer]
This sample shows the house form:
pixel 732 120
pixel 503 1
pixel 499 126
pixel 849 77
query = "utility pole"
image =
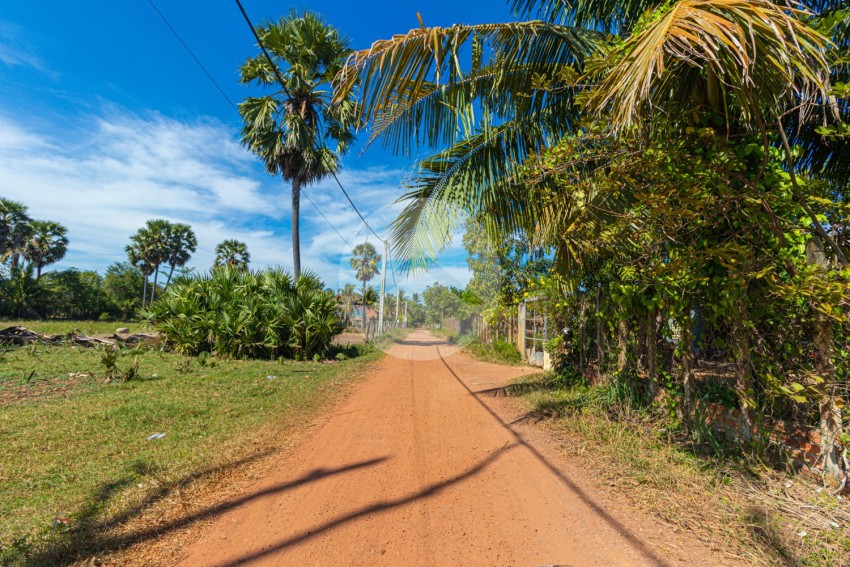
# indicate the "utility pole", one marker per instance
pixel 383 289
pixel 405 313
pixel 397 300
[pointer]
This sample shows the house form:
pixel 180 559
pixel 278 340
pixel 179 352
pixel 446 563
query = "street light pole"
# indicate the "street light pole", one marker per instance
pixel 383 289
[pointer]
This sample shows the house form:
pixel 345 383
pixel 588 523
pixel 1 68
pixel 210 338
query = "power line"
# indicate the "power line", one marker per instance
pixel 228 99
pixel 318 210
pixel 330 168
pixel 353 206
pixel 198 61
pixel 283 85
pixel 263 47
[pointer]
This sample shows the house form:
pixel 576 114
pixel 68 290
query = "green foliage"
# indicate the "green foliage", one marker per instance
pixel 15 230
pixel 157 243
pixel 233 253
pixel 121 285
pixel 442 302
pixel 223 413
pixel 240 314
pixel 289 129
pixel 110 356
pixel 364 261
pixel 74 294
pixel 46 244
pixel 500 351
pixel 22 295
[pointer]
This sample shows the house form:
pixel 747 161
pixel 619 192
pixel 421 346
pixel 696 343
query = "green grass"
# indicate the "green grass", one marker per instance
pixel 76 446
pixel 727 497
pixel 59 327
pixel 390 337
pixel 500 352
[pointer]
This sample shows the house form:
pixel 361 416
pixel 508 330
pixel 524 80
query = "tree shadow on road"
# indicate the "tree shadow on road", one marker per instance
pixel 89 536
pixel 435 488
pixel 421 343
pixel 635 542
pixel 372 509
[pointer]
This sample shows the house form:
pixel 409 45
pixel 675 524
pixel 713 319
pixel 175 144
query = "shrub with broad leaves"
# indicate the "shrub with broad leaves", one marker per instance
pixel 242 314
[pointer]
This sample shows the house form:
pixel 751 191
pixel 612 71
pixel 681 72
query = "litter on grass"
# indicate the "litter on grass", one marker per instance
pixel 156 436
pixel 270 377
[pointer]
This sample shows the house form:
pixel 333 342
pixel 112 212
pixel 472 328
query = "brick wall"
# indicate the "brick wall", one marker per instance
pixel 801 444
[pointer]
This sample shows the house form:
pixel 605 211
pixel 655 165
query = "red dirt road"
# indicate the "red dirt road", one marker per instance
pixel 416 469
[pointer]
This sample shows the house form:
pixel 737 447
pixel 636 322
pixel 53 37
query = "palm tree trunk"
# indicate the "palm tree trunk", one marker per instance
pixel 170 273
pixel 296 237
pixel 38 272
pixel 363 301
pixel 831 422
pixel 155 277
pixel 145 291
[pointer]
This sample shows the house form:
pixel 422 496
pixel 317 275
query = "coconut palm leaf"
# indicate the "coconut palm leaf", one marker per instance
pixel 607 15
pixel 758 58
pixel 414 85
pixel 828 156
pixel 476 176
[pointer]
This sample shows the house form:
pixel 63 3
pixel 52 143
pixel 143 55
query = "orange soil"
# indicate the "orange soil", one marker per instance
pixel 417 467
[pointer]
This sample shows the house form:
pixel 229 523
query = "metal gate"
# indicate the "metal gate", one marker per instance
pixel 535 332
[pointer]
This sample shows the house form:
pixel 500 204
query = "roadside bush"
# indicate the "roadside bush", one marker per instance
pixel 507 351
pixel 240 314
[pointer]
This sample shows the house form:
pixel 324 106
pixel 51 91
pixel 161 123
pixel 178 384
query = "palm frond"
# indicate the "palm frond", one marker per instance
pixel 475 176
pixel 607 15
pixel 756 56
pixel 419 76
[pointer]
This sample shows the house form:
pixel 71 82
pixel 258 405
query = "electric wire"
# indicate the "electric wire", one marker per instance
pixel 192 54
pixel 283 85
pixel 285 90
pixel 263 47
pixel 229 100
pixel 306 196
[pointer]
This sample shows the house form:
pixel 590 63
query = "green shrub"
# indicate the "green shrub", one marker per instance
pixel 507 351
pixel 240 314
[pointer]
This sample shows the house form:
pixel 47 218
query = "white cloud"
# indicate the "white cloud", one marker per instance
pixel 103 183
pixel 106 182
pixel 16 49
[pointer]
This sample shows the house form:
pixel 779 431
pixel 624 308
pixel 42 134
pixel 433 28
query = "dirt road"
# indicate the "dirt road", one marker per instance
pixel 415 468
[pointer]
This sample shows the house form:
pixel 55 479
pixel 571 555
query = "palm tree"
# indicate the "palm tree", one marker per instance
pixel 291 129
pixel 15 229
pixel 151 246
pixel 24 293
pixel 233 253
pixel 346 295
pixel 516 95
pixel 182 243
pixel 365 261
pixel 46 245
pixel 512 98
pixel 136 255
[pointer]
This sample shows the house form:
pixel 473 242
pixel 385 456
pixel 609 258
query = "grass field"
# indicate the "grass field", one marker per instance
pixel 56 327
pixel 76 462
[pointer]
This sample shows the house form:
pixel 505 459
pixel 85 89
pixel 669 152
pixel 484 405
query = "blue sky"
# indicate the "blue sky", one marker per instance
pixel 105 122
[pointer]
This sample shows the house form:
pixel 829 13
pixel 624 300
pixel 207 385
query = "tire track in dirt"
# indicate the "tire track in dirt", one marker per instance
pixel 417 468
